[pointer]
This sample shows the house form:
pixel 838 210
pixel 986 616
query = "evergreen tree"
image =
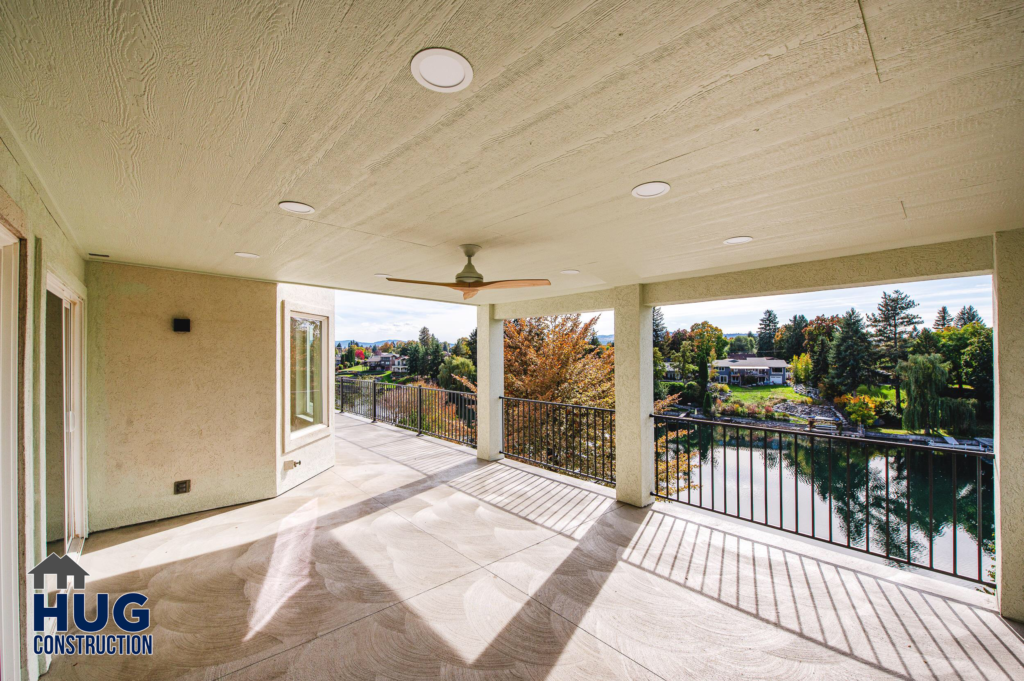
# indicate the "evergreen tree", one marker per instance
pixel 891 330
pixel 425 337
pixel 967 315
pixel 850 354
pixel 942 319
pixel 790 338
pixel 471 344
pixel 660 331
pixel 434 356
pixel 978 364
pixel 414 351
pixel 766 331
pixel 925 378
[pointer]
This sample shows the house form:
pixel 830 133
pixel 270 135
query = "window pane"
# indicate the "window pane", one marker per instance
pixel 306 373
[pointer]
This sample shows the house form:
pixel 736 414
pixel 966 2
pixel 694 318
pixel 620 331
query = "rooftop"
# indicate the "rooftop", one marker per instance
pixel 411 558
pixel 752 363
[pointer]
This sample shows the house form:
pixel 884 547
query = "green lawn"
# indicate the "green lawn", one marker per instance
pixel 761 394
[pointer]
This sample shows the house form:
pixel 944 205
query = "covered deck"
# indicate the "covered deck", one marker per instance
pixel 412 558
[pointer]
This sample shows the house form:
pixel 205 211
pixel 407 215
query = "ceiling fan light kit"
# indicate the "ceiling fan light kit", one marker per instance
pixel 470 282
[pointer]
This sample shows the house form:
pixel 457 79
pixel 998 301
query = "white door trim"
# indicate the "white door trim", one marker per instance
pixel 10 621
pixel 77 472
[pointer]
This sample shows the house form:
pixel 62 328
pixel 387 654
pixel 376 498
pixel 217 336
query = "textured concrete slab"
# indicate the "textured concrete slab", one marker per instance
pixel 464 569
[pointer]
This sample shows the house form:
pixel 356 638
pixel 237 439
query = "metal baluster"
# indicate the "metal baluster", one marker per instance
pixel 977 538
pixel 847 493
pixel 953 456
pixel 931 509
pixel 887 532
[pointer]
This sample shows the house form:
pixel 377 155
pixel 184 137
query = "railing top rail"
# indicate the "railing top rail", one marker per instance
pixel 444 390
pixel 829 436
pixel 556 404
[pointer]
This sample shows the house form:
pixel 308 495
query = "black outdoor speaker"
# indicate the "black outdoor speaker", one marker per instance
pixel 182 325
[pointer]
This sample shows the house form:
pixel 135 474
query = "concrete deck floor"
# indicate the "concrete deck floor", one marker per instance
pixel 412 560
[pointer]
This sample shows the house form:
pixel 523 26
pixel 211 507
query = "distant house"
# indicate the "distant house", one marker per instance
pixel 389 361
pixel 751 370
pixel 672 373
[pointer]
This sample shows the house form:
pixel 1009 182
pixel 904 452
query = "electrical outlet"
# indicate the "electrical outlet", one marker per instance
pixel 182 486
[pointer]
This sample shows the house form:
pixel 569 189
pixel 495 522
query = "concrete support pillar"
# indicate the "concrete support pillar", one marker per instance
pixel 634 397
pixel 1008 290
pixel 490 382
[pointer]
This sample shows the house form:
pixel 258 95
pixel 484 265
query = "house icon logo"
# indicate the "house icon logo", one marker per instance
pixel 52 621
pixel 61 566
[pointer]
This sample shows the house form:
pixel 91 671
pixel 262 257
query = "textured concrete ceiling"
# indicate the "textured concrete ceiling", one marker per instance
pixel 165 133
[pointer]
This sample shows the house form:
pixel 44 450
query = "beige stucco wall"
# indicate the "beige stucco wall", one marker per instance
pixel 316 456
pixel 167 406
pixel 1008 287
pixel 45 248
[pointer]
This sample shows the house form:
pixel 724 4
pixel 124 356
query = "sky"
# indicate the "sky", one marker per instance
pixel 367 317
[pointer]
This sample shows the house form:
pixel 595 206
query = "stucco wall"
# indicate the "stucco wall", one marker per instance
pixel 316 456
pixel 1008 286
pixel 167 406
pixel 44 248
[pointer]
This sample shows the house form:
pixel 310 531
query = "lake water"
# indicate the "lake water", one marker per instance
pixel 886 499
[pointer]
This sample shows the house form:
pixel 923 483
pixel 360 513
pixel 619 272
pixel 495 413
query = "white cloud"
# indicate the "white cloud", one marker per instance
pixel 369 317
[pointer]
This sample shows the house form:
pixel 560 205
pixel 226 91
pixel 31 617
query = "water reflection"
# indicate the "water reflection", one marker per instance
pixel 895 501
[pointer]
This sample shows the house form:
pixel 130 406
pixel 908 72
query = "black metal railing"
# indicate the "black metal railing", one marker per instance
pixel 921 505
pixel 568 438
pixel 446 414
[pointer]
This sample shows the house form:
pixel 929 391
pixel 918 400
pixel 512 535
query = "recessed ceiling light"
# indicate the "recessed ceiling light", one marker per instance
pixel 441 70
pixel 649 190
pixel 736 240
pixel 296 207
pixel 246 255
pixel 570 271
pixel 382 276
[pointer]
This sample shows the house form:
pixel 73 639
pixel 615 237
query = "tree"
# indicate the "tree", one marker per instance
pixel 684 359
pixel 801 368
pixel 743 344
pixel 659 375
pixel 952 342
pixel 460 349
pixel 702 379
pixel 789 340
pixel 925 378
pixel 708 340
pixel 414 351
pixel 850 354
pixel 660 331
pixel 456 366
pixel 549 359
pixel 426 337
pixel 676 340
pixel 471 344
pixel 818 335
pixel 942 319
pixel 434 357
pixel 350 355
pixel 766 331
pixel 891 330
pixel 968 315
pixel 926 342
pixel 978 363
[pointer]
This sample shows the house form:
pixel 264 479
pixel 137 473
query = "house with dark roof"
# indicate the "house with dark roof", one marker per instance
pixel 61 566
pixel 751 370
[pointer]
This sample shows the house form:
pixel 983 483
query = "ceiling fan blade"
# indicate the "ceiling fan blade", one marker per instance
pixel 428 283
pixel 513 283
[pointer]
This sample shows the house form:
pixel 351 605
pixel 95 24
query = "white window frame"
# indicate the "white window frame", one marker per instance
pixel 297 439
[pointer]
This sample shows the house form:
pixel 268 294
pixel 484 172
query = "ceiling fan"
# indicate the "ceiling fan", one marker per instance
pixel 470 282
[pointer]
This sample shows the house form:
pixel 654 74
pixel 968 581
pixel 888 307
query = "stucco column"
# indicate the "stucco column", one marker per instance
pixel 490 382
pixel 634 397
pixel 1008 289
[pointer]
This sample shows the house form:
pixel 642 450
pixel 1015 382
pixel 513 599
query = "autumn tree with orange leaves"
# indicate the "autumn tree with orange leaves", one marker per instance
pixel 552 359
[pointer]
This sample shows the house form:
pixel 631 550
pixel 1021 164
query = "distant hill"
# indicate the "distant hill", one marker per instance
pixel 605 339
pixel 367 344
